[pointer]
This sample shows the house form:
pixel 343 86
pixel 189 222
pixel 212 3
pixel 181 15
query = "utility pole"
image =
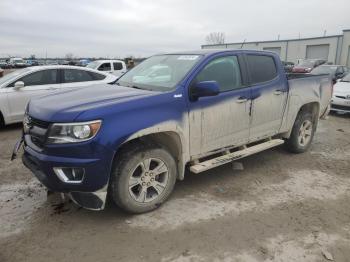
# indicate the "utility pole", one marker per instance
pixel 243 43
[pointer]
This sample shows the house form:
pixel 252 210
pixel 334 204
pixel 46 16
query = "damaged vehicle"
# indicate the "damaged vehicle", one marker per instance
pixel 134 140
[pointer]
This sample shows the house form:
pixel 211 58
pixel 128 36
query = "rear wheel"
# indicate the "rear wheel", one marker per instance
pixel 302 133
pixel 143 178
pixel 2 121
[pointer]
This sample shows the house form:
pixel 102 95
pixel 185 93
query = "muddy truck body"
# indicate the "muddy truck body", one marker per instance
pixel 194 110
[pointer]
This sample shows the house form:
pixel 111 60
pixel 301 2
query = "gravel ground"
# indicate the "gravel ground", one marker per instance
pixel 280 207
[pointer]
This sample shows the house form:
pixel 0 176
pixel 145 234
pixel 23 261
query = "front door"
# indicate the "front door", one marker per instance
pixel 222 120
pixel 269 96
pixel 35 84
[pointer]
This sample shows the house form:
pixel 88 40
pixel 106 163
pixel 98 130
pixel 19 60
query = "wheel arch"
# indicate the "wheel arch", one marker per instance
pixel 170 140
pixel 311 107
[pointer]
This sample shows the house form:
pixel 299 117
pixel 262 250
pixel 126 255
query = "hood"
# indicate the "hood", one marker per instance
pixel 66 105
pixel 342 88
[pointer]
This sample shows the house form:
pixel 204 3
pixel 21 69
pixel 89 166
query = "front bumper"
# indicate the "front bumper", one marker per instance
pixel 90 193
pixel 340 104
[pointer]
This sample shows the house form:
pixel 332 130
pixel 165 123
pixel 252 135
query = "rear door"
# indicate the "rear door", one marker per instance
pixel 269 95
pixel 222 120
pixel 35 84
pixel 74 78
pixel 118 69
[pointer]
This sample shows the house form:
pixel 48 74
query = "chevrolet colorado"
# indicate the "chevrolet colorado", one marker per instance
pixel 195 110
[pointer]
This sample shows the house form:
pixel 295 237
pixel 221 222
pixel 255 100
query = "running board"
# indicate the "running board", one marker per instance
pixel 227 158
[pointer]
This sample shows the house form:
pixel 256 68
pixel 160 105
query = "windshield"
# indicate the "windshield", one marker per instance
pixel 12 75
pixel 93 65
pixel 346 78
pixel 324 70
pixel 159 73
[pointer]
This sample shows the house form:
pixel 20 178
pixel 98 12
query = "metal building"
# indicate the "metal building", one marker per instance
pixel 335 48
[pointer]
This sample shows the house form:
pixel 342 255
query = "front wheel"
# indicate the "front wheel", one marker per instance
pixel 143 178
pixel 302 133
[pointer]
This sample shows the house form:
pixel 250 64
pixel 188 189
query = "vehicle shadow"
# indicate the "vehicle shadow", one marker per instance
pixel 11 127
pixel 340 115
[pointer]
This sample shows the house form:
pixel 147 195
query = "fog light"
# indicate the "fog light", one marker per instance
pixel 73 175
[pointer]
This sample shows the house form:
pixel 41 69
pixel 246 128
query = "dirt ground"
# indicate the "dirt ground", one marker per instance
pixel 280 207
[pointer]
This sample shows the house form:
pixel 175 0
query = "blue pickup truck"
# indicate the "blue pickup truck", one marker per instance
pixel 191 110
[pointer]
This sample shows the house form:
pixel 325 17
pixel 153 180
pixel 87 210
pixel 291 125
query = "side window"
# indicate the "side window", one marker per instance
pixel 225 71
pixel 262 68
pixel 105 67
pixel 44 77
pixel 96 76
pixel 117 66
pixel 74 75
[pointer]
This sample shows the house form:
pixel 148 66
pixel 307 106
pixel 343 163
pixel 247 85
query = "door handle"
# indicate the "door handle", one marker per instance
pixel 241 100
pixel 278 92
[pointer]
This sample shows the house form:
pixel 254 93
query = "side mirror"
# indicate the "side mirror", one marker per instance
pixel 202 89
pixel 19 84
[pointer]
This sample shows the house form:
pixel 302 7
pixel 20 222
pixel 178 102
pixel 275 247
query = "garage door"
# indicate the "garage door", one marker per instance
pixel 317 52
pixel 276 50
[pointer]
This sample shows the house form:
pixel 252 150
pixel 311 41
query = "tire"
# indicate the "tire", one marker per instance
pixel 142 178
pixel 2 121
pixel 302 133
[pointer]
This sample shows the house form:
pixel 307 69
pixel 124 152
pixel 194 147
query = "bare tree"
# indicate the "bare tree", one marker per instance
pixel 215 38
pixel 69 57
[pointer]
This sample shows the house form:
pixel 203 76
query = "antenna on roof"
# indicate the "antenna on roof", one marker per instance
pixel 243 43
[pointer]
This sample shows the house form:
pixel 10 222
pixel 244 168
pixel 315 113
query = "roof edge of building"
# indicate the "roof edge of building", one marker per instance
pixel 277 41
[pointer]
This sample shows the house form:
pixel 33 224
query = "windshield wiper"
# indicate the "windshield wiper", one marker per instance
pixel 137 87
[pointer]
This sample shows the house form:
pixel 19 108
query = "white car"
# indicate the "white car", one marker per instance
pixel 115 67
pixel 18 87
pixel 17 62
pixel 341 95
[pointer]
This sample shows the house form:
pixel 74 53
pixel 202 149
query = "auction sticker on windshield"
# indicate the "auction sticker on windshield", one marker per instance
pixel 187 57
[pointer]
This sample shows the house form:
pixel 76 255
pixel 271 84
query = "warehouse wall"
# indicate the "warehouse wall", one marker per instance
pixel 292 50
pixel 297 48
pixel 345 50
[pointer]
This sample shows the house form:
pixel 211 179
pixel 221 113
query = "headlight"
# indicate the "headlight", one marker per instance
pixel 73 132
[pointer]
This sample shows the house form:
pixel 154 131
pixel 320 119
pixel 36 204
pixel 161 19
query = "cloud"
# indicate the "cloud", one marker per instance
pixel 142 28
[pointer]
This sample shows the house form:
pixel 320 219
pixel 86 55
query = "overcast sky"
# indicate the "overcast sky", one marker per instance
pixel 114 28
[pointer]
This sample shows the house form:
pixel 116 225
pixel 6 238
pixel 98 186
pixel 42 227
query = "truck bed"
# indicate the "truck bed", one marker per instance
pixel 309 88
